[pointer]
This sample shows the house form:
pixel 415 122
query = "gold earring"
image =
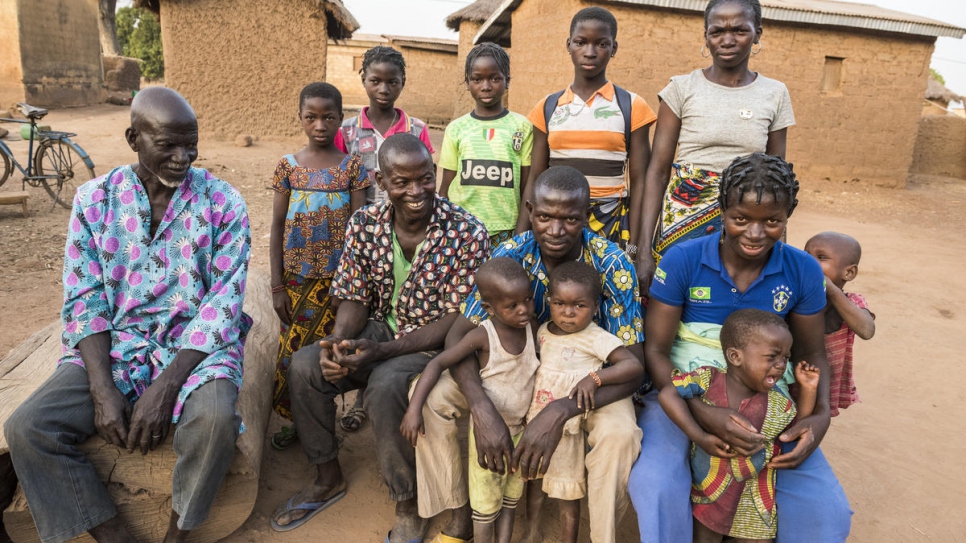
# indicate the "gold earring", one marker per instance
pixel 761 46
pixel 703 47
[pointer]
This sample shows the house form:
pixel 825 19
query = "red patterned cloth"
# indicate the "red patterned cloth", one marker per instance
pixel 442 273
pixel 838 349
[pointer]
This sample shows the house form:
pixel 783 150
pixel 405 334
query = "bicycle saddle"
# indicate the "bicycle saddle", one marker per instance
pixel 32 112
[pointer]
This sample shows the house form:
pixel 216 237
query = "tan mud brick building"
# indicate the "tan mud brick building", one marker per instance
pixel 856 73
pixel 431 74
pixel 51 53
pixel 242 64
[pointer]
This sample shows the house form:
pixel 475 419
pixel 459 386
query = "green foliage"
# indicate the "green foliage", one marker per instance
pixel 937 76
pixel 139 35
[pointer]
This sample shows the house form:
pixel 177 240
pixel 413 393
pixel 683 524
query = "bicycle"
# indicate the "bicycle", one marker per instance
pixel 59 164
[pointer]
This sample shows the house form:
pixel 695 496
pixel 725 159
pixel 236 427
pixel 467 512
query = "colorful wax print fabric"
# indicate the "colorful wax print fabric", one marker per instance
pixel 181 288
pixel 318 211
pixel 442 272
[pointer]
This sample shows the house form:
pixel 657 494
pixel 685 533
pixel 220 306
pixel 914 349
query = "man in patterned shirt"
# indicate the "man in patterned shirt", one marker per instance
pixel 407 267
pixel 558 214
pixel 154 278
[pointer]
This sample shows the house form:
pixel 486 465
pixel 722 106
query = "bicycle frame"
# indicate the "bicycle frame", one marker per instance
pixel 28 173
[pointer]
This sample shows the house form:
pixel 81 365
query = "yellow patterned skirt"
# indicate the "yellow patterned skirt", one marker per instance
pixel 312 320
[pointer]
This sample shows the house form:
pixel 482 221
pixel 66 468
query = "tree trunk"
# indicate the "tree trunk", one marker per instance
pixel 107 28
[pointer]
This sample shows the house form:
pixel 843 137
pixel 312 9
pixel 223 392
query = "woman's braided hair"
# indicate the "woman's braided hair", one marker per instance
pixel 759 173
pixel 492 50
pixel 382 53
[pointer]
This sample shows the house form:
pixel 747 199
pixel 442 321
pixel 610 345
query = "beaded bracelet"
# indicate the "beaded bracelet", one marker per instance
pixel 278 288
pixel 593 374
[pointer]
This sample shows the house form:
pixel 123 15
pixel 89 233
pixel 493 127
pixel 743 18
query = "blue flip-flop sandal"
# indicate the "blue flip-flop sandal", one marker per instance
pixel 314 508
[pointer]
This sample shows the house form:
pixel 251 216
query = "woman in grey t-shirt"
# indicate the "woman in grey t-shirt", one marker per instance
pixel 712 115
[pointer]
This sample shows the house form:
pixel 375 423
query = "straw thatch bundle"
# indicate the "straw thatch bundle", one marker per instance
pixel 937 92
pixel 478 11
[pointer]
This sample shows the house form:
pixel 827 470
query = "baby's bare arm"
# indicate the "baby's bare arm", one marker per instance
pixel 807 377
pixel 860 320
pixel 475 341
pixel 624 368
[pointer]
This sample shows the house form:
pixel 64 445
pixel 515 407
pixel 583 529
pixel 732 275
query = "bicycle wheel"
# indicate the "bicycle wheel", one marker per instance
pixel 61 158
pixel 7 167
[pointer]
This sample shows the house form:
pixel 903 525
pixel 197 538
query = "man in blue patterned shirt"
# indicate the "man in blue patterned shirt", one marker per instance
pixel 558 215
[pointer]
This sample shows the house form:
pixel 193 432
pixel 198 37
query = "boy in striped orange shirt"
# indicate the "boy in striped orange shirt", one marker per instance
pixel 598 128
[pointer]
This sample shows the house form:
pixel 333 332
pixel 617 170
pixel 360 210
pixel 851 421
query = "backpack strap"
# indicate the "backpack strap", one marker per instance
pixel 548 108
pixel 624 103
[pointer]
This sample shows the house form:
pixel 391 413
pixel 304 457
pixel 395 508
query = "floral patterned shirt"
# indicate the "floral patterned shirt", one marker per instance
pixel 442 273
pixel 620 310
pixel 318 210
pixel 179 289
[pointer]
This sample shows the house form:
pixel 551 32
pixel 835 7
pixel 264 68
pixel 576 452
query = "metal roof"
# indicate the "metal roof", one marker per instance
pixel 811 12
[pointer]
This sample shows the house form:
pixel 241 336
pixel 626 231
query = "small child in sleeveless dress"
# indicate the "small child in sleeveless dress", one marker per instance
pixel 508 361
pixel 573 352
pixel 847 314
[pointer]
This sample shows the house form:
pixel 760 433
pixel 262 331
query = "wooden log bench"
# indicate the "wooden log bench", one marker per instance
pixel 141 485
pixel 14 198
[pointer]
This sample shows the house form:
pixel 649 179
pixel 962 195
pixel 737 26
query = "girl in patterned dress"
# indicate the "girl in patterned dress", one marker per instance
pixel 316 190
pixel 730 494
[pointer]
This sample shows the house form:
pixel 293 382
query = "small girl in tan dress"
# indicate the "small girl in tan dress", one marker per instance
pixel 573 351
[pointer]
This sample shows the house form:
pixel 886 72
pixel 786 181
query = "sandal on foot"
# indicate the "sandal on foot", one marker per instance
pixel 313 508
pixel 285 437
pixel 353 419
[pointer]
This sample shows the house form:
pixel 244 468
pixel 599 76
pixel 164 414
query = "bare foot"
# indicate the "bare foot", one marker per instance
pixel 408 525
pixel 460 523
pixel 531 535
pixel 175 535
pixel 112 531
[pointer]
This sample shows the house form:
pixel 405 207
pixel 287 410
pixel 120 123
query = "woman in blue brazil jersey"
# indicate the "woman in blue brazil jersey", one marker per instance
pixel 697 285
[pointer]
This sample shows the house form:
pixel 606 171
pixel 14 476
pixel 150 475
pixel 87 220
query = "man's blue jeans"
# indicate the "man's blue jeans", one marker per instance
pixel 811 503
pixel 65 495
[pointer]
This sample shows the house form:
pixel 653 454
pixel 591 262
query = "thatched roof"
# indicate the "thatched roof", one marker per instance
pixel 937 92
pixel 478 11
pixel 340 24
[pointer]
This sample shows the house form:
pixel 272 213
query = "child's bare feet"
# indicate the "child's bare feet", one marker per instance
pixel 531 535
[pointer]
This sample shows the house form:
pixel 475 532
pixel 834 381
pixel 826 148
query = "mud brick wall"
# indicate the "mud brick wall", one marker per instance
pixel 431 77
pixel 462 101
pixel 246 81
pixel 865 130
pixel 941 147
pixel 341 70
pixel 59 53
pixel 11 72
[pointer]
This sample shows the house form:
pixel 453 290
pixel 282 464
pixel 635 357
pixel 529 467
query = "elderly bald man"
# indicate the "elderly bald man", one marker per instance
pixel 154 277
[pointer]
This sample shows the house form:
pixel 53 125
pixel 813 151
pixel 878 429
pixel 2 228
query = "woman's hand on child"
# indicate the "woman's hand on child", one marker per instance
pixel 806 375
pixel 584 391
pixel 730 426
pixel 715 446
pixel 809 432
pixel 412 426
pixel 282 304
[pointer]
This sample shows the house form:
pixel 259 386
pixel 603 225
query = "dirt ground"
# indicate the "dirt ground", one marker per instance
pixel 898 453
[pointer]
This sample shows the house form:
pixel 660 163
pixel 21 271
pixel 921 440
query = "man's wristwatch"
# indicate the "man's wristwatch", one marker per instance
pixel 631 250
